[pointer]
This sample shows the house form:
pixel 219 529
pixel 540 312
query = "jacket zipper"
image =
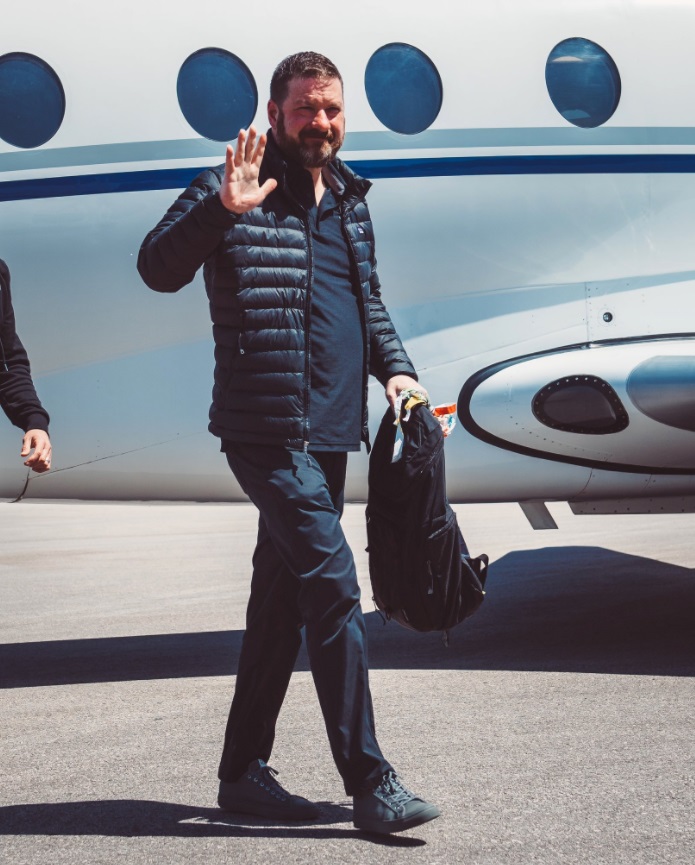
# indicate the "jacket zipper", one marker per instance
pixel 240 347
pixel 363 318
pixel 307 333
pixel 2 347
pixel 307 318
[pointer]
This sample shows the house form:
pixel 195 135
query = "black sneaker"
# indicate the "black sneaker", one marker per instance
pixel 258 793
pixel 391 808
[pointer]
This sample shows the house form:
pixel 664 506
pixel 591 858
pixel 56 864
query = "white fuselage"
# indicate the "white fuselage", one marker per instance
pixel 521 239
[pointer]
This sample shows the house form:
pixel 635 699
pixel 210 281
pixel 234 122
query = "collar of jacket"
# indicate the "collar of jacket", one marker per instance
pixel 4 282
pixel 275 165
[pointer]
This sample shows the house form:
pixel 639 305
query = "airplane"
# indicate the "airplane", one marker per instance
pixel 534 205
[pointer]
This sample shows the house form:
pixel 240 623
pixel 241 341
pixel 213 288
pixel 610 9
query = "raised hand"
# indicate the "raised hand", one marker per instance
pixel 240 190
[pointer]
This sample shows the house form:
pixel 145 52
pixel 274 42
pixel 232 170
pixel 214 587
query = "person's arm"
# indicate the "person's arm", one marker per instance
pixel 389 361
pixel 186 236
pixel 191 229
pixel 18 396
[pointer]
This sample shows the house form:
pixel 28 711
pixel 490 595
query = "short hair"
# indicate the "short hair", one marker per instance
pixel 306 64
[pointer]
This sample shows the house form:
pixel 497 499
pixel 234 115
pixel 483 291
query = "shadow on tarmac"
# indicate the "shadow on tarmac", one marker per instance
pixel 560 609
pixel 137 818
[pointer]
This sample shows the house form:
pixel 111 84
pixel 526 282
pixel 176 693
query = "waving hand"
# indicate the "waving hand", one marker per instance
pixel 240 190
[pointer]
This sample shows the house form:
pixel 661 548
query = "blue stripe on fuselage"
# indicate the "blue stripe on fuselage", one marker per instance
pixel 374 169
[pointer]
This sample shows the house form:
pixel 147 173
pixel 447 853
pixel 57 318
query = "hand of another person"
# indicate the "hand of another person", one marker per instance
pixel 40 459
pixel 401 382
pixel 240 191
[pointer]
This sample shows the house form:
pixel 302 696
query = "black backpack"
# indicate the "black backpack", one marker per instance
pixel 422 575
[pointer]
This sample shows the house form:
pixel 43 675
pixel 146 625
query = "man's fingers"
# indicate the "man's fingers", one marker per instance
pixel 391 396
pixel 240 191
pixel 240 148
pixel 38 464
pixel 398 383
pixel 250 144
pixel 26 445
pixel 268 187
pixel 40 459
pixel 229 159
pixel 260 150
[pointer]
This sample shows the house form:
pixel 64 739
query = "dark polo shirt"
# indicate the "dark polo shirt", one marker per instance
pixel 337 346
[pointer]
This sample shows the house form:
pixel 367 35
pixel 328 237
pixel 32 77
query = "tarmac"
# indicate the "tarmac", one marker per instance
pixel 557 726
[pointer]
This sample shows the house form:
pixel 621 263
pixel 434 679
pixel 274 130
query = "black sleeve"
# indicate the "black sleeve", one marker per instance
pixel 387 357
pixel 186 236
pixel 17 394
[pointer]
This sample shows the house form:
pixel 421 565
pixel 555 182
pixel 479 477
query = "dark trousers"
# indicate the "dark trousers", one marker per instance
pixel 303 574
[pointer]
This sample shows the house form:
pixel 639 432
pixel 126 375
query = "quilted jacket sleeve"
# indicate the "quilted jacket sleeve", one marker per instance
pixel 17 394
pixel 387 357
pixel 186 236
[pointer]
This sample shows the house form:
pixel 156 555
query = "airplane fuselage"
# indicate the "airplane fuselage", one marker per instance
pixel 534 234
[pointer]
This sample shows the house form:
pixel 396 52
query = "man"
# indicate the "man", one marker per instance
pixel 17 394
pixel 286 241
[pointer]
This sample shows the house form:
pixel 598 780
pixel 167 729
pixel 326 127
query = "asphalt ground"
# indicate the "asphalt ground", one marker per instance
pixel 557 727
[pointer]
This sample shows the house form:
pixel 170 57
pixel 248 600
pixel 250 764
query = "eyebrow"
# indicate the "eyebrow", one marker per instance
pixel 312 103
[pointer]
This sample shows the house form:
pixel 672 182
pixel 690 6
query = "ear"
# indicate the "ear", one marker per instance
pixel 273 112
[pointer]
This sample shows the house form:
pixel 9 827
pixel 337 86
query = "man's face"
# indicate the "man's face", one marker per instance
pixel 309 126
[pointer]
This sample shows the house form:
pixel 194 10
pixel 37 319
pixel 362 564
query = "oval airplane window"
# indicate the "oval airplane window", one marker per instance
pixel 582 404
pixel 583 82
pixel 217 93
pixel 403 88
pixel 32 100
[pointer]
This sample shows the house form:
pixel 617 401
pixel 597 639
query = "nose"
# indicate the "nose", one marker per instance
pixel 321 120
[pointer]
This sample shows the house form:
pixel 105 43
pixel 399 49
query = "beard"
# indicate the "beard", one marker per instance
pixel 310 149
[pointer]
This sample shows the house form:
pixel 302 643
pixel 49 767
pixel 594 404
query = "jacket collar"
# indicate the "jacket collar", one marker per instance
pixel 342 180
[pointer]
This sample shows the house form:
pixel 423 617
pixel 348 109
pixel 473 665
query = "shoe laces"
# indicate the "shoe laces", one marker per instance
pixel 264 776
pixel 393 792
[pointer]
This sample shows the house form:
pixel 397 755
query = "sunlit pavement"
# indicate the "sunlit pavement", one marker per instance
pixel 557 727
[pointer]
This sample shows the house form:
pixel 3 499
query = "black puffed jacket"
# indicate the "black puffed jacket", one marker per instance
pixel 258 276
pixel 18 397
